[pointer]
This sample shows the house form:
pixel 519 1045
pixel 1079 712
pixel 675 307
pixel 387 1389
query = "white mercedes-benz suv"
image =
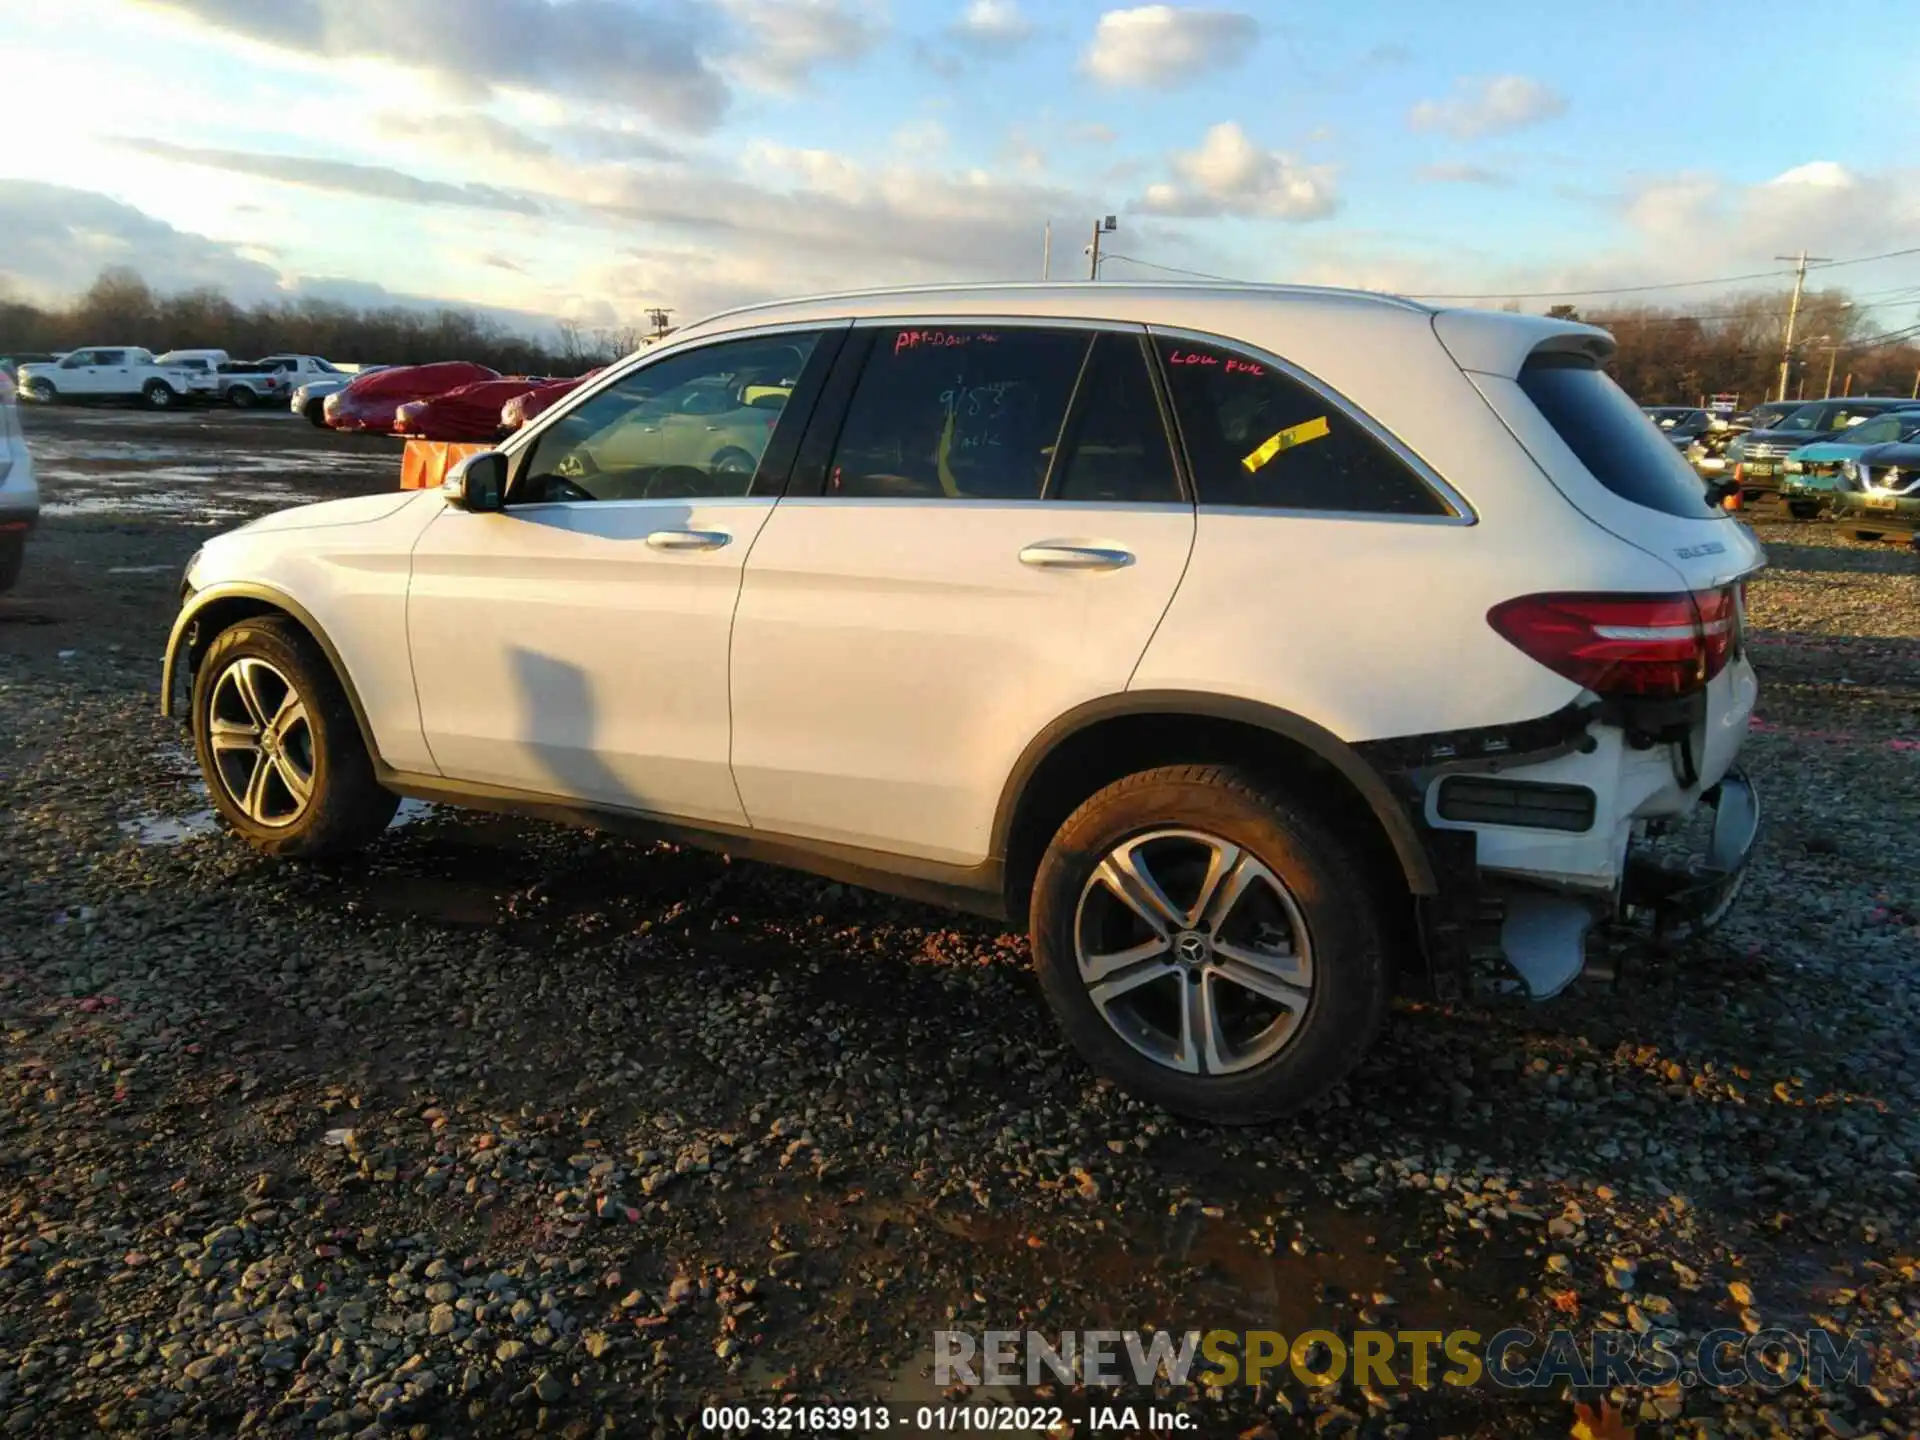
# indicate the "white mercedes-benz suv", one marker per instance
pixel 1254 647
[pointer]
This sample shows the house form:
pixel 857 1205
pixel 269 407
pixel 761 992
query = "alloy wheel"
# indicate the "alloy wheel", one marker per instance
pixel 1193 951
pixel 261 740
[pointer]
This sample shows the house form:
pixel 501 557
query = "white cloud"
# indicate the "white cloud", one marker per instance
pixel 59 239
pixel 1826 173
pixel 1681 226
pixel 376 182
pixel 783 41
pixel 996 25
pixel 1488 107
pixel 1230 175
pixel 1160 46
pixel 648 56
pixel 1461 173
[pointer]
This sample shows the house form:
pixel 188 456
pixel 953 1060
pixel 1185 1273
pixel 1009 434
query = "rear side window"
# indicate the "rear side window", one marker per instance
pixel 1611 437
pixel 957 412
pixel 1258 437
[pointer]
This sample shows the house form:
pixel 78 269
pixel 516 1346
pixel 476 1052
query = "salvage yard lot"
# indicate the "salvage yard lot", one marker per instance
pixel 506 1125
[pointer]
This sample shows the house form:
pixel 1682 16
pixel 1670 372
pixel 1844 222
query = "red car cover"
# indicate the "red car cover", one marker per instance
pixel 468 412
pixel 522 409
pixel 368 402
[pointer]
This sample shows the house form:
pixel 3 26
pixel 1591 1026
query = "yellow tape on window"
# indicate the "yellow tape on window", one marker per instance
pixel 1288 438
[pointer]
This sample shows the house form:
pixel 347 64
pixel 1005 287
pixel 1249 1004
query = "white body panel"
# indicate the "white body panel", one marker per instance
pixel 19 494
pixel 892 658
pixel 347 563
pixel 557 651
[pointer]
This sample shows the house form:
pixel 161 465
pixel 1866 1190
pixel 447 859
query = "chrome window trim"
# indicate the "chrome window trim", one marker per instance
pixel 995 322
pixel 1463 510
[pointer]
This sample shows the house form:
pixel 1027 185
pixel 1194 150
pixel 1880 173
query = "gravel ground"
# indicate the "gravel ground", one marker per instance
pixel 508 1128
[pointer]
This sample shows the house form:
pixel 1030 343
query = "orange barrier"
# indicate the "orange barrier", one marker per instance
pixel 426 462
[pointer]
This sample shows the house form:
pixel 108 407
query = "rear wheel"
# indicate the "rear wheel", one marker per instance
pixel 158 395
pixel 1804 509
pixel 240 397
pixel 279 748
pixel 1208 944
pixel 13 555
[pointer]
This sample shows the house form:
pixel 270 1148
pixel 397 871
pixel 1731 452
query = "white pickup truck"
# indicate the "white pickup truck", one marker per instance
pixel 107 372
pixel 272 377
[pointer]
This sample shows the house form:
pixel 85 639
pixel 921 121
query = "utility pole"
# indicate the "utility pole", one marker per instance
pixel 1833 353
pixel 657 317
pixel 1101 225
pixel 1801 261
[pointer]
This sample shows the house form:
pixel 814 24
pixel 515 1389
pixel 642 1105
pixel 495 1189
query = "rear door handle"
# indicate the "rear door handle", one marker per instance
pixel 688 539
pixel 1057 555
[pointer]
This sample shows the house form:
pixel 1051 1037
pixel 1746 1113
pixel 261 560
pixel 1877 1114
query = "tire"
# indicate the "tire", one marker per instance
pixel 270 668
pixel 44 391
pixel 1320 892
pixel 240 397
pixel 13 556
pixel 1804 510
pixel 736 462
pixel 1865 534
pixel 158 395
pixel 316 413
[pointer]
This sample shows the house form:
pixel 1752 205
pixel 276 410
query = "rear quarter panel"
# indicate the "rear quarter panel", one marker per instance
pixel 1376 628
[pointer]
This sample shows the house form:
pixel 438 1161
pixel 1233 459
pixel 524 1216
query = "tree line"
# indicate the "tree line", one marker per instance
pixel 1679 355
pixel 1666 355
pixel 120 308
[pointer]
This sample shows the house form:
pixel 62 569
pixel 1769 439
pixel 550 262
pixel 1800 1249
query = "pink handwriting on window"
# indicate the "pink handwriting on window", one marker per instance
pixel 1196 357
pixel 940 339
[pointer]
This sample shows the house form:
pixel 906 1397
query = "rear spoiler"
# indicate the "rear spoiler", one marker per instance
pixel 1493 342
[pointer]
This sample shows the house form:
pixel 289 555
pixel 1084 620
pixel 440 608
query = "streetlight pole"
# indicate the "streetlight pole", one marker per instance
pixel 1104 224
pixel 1801 261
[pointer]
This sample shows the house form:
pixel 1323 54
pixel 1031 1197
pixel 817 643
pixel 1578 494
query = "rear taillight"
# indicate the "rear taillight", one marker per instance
pixel 1651 645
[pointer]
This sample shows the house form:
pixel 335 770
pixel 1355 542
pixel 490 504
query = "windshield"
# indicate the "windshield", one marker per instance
pixel 1883 428
pixel 1807 417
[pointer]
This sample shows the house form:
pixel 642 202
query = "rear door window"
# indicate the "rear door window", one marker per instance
pixel 1257 437
pixel 1611 437
pixel 958 412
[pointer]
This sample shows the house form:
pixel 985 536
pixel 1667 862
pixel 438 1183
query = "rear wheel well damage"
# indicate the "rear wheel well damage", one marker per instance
pixel 1098 753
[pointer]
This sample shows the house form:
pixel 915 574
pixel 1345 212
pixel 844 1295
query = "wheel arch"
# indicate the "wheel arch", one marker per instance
pixel 1099 742
pixel 212 611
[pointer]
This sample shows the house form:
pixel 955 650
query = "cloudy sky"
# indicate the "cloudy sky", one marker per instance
pixel 590 158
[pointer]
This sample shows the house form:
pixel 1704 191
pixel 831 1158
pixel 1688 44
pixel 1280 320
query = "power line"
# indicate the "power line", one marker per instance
pixel 1812 264
pixel 1173 269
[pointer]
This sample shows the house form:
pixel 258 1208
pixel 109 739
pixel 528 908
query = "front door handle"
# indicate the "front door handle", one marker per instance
pixel 688 539
pixel 1058 555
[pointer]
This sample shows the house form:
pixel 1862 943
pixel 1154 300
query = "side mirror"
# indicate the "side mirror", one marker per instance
pixel 478 483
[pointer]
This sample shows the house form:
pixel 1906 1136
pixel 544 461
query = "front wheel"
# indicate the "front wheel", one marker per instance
pixel 277 743
pixel 43 391
pixel 1209 944
pixel 158 395
pixel 1804 509
pixel 240 397
pixel 317 413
